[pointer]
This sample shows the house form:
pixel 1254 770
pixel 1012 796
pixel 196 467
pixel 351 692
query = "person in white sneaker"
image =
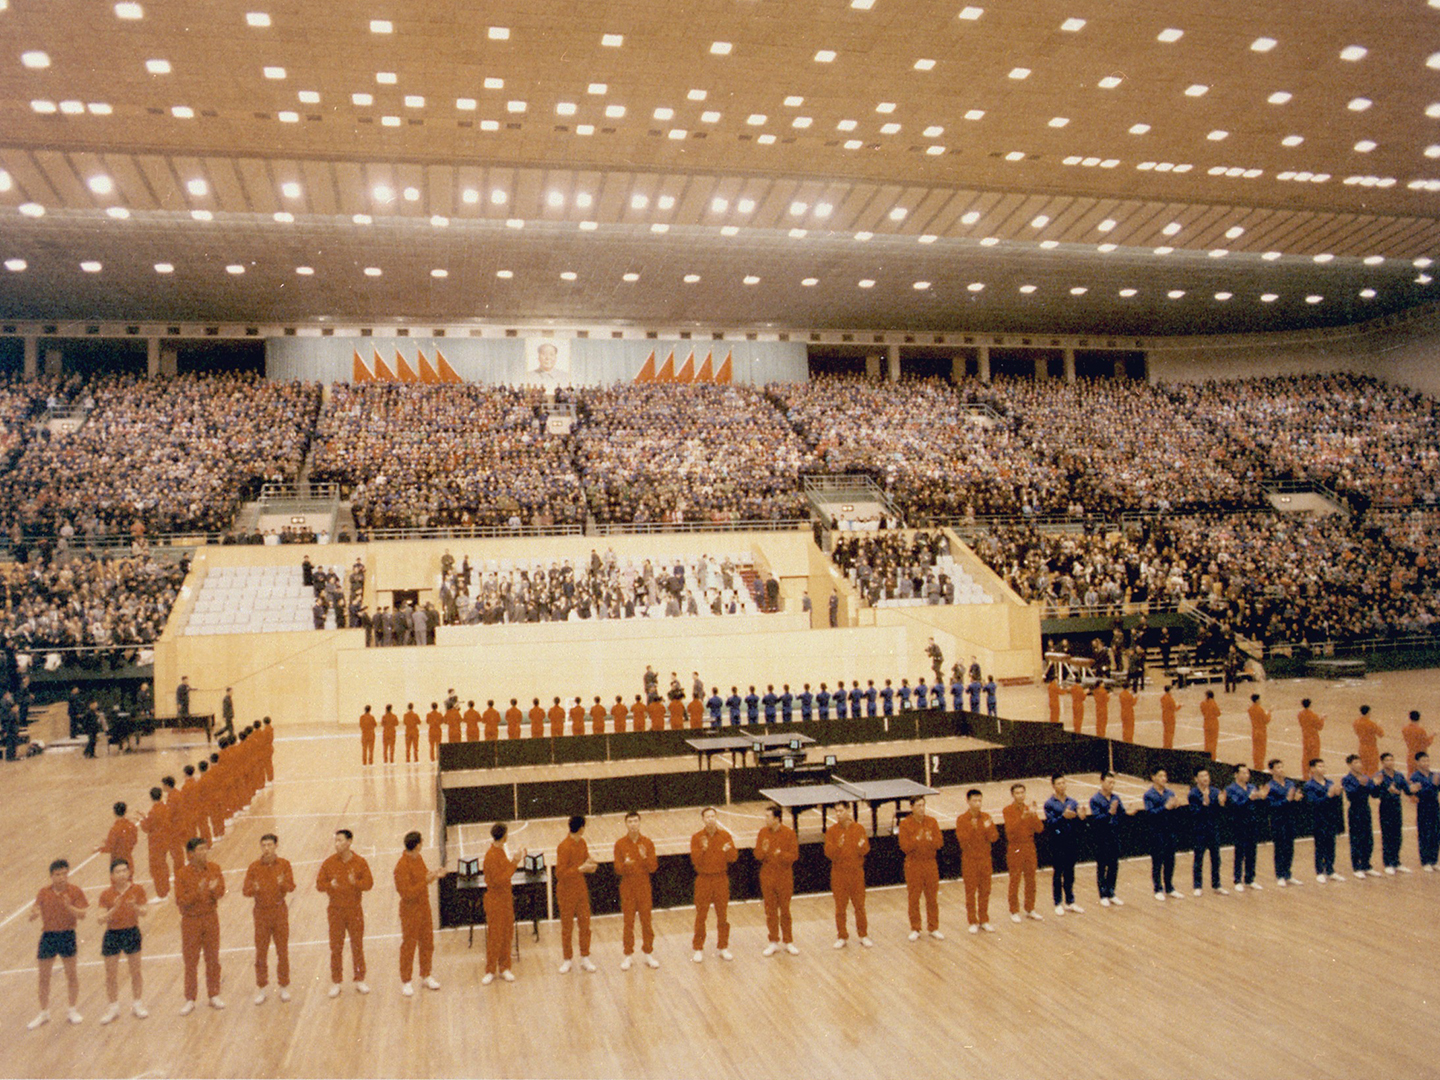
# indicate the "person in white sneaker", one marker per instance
pixel 572 895
pixel 499 870
pixel 344 877
pixel 268 880
pixel 1022 823
pixel 1281 796
pixel 417 931
pixel 921 840
pixel 199 885
pixel 975 831
pixel 1359 788
pixel 712 850
pixel 1322 797
pixel 1243 799
pixel 1205 801
pixel 1160 804
pixel 776 849
pixel 635 861
pixel 1426 787
pixel 58 906
pixel 1106 810
pixel 121 907
pixel 846 846
pixel 1391 786
pixel 1063 817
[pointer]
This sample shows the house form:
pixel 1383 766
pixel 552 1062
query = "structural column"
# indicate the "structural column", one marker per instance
pixel 32 357
pixel 54 360
pixel 1042 366
pixel 984 363
pixel 1069 355
pixel 892 360
pixel 872 366
pixel 152 357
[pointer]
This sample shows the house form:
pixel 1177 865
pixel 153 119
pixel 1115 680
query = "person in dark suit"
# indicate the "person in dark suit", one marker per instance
pixel 182 699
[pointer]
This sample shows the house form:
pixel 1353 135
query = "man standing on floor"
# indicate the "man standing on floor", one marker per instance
pixel 1127 700
pixel 1417 741
pixel 1077 708
pixel 846 846
pixel 1323 819
pixel 267 881
pixel 157 828
pixel 921 840
pixel 1423 784
pixel 1359 787
pixel 1259 724
pixel 1210 724
pixel 434 728
pixel 572 894
pixel 389 724
pixel 1243 799
pixel 1106 810
pixel 1390 785
pixel 1368 733
pixel 1281 795
pixel 1205 802
pixel 367 737
pixel 1102 709
pixel 712 850
pixel 976 832
pixel 1160 803
pixel 1022 823
pixel 199 885
pixel 1062 824
pixel 1169 710
pixel 412 733
pixel 58 906
pixel 499 870
pixel 635 861
pixel 417 924
pixel 344 877
pixel 776 849
pixel 1311 724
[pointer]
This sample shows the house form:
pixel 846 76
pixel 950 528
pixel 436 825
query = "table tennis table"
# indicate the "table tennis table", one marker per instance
pixel 823 796
pixel 737 746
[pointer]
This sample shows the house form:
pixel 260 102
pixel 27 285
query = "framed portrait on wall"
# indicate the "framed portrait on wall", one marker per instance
pixel 547 361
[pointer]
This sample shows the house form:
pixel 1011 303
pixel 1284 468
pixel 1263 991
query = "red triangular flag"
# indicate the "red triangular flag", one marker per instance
pixel 687 372
pixel 427 373
pixel 359 373
pixel 706 373
pixel 667 369
pixel 406 373
pixel 443 369
pixel 382 373
pixel 724 374
pixel 647 373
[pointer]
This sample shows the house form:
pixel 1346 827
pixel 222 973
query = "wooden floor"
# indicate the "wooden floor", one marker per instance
pixel 1335 980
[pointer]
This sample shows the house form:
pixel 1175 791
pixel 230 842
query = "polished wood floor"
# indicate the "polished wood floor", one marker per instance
pixel 1334 980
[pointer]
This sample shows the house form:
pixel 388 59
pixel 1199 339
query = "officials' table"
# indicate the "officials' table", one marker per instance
pixel 737 746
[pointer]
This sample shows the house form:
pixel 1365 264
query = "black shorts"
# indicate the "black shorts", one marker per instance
pixel 125 941
pixel 57 943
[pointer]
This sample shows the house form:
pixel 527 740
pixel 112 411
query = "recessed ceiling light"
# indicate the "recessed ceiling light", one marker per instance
pixel 505 275
pixel 1049 244
pixel 1263 44
pixel 720 48
pixel 1324 257
pixel 1106 248
pixel 862 236
pixel 866 283
pixel 164 268
pixel 129 11
pixel 794 101
pixel 898 213
pixel 381 26
pixel 921 286
pixel 663 113
pixel 493 83
pixel 697 95
pixel 1423 279
pixel 362 99
pixel 806 121
pixel 1234 232
pixel 798 234
pixel 290 189
pixel 971 13
pixel 1079 290
pixel 665 202
pixel 1421 263
pixel 389 121
pixel 305 271
pixel 745 205
pixel 976 286
pixel 1314 298
pixel 1020 73
pixel 1109 82
pixel 1170 36
pixel 1367 294
pixel 197 187
pixel 1280 97
pixel 630 276
pixel 284 217
pixel 1218 135
pixel 1364 146
pixel 690 279
pixel 498 33
pixel 845 125
pixel 885 107
pixel 72 108
pixel 182 112
pixel 927 238
pixel 386 78
pixel 257 18
pixel 924 65
pixel 659 227
pixel 274 72
pixel 889 129
pixel 158 67
pixel 555 199
pixel 90 266
pixel 710 117
pixel 584 200
pixel 853 144
pixel 612 41
pixel 1139 129
pixel 35 59
pixel 439 221
pixel 1175 294
pixel 1223 296
pixel 119 213
pixel 809 281
pixel 1196 90
pixel 1218 253
pixel 1268 298
pixel 384 193
pixel 1432 151
pixel 414 101
pixel 934 131
pixel 1073 25
pixel 287 116
pixel 1128 292
pixel 99 108
pixel 729 230
pixel 235 268
pixel 1271 256
pixel 677 133
pixel 1359 104
pixel 862 5
pixel 1292 140
pixel 1015 155
pixel 989 241
pixel 1353 53
pixel 589 226
pixel 1374 260
pixel 515 223
pixel 1107 225
pixel 974 114
pixel 1059 121
pixel 825 56
pixel 100 184
pixel 639 202
pixel 1171 229
pixel 1433 110
pixel 751 279
pixel 1039 221
pixel 568 275
pixel 1164 249
pixel 515 106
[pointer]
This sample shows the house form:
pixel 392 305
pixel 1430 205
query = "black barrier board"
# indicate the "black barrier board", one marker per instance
pixel 492 802
pixel 552 799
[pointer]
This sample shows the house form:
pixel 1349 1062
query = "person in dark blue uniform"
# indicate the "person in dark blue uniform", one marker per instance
pixel 770 701
pixel 840 701
pixel 1063 816
pixel 1242 800
pixel 872 699
pixel 822 703
pixel 715 704
pixel 1359 790
pixel 1160 801
pixel 887 699
pixel 1205 801
pixel 1323 819
pixel 922 694
pixel 1426 790
pixel 807 704
pixel 787 705
pixel 1390 786
pixel 752 707
pixel 1281 795
pixel 937 695
pixel 733 704
pixel 991 692
pixel 1106 810
pixel 973 691
pixel 904 694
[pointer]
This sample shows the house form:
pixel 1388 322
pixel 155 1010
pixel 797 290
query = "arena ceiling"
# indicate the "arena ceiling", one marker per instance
pixel 1078 167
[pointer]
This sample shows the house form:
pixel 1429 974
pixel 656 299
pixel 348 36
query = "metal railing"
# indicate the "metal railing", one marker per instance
pixel 299 492
pixel 1360 647
pixel 465 532
pixel 642 528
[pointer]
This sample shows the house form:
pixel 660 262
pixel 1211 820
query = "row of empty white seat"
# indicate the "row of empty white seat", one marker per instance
pixel 252 600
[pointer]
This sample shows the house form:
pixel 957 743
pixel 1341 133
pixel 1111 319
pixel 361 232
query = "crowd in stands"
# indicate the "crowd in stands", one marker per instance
pixel 895 566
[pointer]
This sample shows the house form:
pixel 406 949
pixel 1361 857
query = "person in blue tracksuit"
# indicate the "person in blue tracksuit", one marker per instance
pixel 1425 785
pixel 1205 801
pixel 1160 803
pixel 787 705
pixel 922 694
pixel 807 704
pixel 872 698
pixel 770 701
pixel 840 701
pixel 974 690
pixel 991 690
pixel 1106 810
pixel 1242 800
pixel 904 695
pixel 1063 816
pixel 957 695
pixel 714 705
pixel 752 707
pixel 937 695
pixel 1324 821
pixel 733 703
pixel 887 699
pixel 1391 786
pixel 1281 795
pixel 822 703
pixel 856 697
pixel 1359 790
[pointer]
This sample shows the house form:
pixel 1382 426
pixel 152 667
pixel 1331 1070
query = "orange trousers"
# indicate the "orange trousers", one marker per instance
pixel 1309 748
pixel 499 931
pixel 776 889
pixel 416 932
pixel 848 887
pixel 1127 728
pixel 367 750
pixel 1257 748
pixel 200 934
pixel 635 900
pixel 412 747
pixel 1022 865
pixel 574 904
pixel 272 924
pixel 1102 721
pixel 922 877
pixel 1167 733
pixel 387 749
pixel 1212 737
pixel 712 889
pixel 434 742
pixel 346 921
pixel 159 870
pixel 977 892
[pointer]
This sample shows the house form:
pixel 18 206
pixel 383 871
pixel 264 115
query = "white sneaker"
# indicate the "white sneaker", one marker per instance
pixel 792 949
pixel 1223 892
pixel 698 956
pixel 187 1008
pixel 1076 908
pixel 938 935
pixel 1429 868
pixel 362 988
pixel 1036 916
pixel 1295 882
pixel 1239 886
pixel 1059 909
pixel 989 928
pixel 565 968
pixel 1115 901
pixel 432 983
pixel 111 1014
pixel 1399 869
pixel 651 962
pixel 726 954
pixel 839 943
pixel 1199 892
pixel 772 948
pixel 508 975
pixel 625 964
pixel 40 1020
pixel 141 1013
pixel 488 978
pixel 284 993
pixel 334 990
pixel 1280 883
pixel 216 1003
pixel 260 997
pixel 1104 901
pixel 1336 877
pixel 914 935
pixel 1256 886
pixel 1160 896
pixel 408 989
pixel 1320 878
pixel 73 1015
pixel 974 928
pixel 1389 871
pixel 1360 875
pixel 586 964
pixel 1015 917
pixel 867 943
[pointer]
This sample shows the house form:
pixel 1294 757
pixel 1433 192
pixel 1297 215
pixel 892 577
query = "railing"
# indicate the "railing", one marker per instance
pixel 299 493
pixel 465 532
pixel 983 408
pixel 643 528
pixel 1280 486
pixel 1359 647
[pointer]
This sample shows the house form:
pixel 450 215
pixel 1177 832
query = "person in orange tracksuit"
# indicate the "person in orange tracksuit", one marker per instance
pixel 120 841
pixel 712 850
pixel 1368 732
pixel 180 829
pixel 635 861
pixel 199 885
pixel 434 726
pixel 1022 824
pixel 1169 709
pixel 1259 722
pixel 1077 708
pixel 452 723
pixel 1210 723
pixel 846 846
pixel 537 719
pixel 513 718
pixel 577 717
pixel 556 716
pixel 1052 688
pixel 157 828
pixel 975 831
pixel 676 709
pixel 367 737
pixel 656 710
pixel 196 812
pixel 491 719
pixel 638 714
pixel 417 923
pixel 267 881
pixel 572 894
pixel 343 877
pixel 472 722
pixel 696 712
pixel 619 713
pixel 1127 714
pixel 1417 741
pixel 921 840
pixel 499 869
pixel 1311 724
pixel 598 715
pixel 389 725
pixel 411 719
pixel 1102 709
pixel 776 849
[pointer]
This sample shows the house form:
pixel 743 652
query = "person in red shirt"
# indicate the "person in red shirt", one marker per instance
pixel 975 831
pixel 846 846
pixel 491 719
pixel 1077 708
pixel 412 733
pixel 619 713
pixel 417 922
pixel 389 724
pixel 556 716
pixel 1210 723
pixel 1369 733
pixel 1259 723
pixel 123 836
pixel 1169 710
pixel 499 869
pixel 572 894
pixel 656 709
pixel 676 709
pixel 537 720
pixel 199 885
pixel 598 716
pixel 513 719
pixel 267 881
pixel 1127 714
pixel 1417 741
pixel 1102 709
pixel 776 849
pixel 343 877
pixel 157 829
pixel 452 723
pixel 121 908
pixel 577 718
pixel 367 737
pixel 638 713
pixel 696 711
pixel 1311 724
pixel 58 906
pixel 635 861
pixel 921 840
pixel 472 722
pixel 1022 823
pixel 712 850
